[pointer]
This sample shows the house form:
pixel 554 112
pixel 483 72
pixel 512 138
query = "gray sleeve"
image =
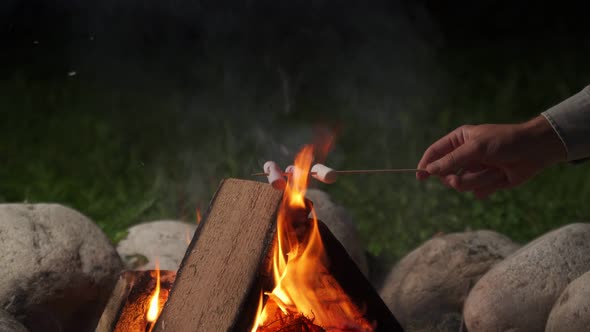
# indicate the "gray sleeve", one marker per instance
pixel 571 121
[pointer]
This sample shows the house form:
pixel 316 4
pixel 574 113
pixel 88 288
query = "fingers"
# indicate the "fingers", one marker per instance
pixel 482 183
pixel 440 148
pixel 462 157
pixel 458 160
pixel 470 181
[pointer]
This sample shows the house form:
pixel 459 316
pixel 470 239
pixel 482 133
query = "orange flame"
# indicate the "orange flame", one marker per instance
pixel 154 306
pixel 302 282
pixel 198 215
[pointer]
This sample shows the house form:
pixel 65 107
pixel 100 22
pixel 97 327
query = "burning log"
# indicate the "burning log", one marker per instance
pixel 132 299
pixel 291 322
pixel 217 285
pixel 344 271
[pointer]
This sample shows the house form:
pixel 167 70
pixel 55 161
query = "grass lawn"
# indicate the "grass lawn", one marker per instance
pixel 126 154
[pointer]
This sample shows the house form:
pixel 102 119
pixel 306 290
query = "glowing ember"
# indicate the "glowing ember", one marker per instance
pixel 306 296
pixel 144 301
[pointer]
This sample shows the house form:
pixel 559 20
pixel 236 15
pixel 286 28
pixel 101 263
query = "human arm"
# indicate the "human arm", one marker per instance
pixel 486 158
pixel 571 121
pixel 492 157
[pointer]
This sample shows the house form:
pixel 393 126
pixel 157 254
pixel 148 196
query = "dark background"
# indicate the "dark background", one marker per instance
pixel 134 110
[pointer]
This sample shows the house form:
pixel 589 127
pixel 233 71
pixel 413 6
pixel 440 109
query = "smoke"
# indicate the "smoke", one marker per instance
pixel 266 76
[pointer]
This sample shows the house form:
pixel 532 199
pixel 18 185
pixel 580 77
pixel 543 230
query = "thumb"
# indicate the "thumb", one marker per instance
pixel 462 157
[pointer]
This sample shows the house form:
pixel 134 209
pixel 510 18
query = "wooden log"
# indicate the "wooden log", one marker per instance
pixel 112 311
pixel 127 306
pixel 218 282
pixel 354 283
pixel 342 273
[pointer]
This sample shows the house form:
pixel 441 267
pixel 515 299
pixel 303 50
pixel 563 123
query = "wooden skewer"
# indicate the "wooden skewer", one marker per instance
pixel 390 170
pixel 283 174
pixel 362 171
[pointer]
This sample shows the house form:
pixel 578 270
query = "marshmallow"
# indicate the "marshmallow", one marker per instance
pixel 275 175
pixel 323 173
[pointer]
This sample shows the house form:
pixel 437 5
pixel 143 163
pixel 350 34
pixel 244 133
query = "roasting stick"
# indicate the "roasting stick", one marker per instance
pixel 358 171
pixel 385 170
pixel 276 177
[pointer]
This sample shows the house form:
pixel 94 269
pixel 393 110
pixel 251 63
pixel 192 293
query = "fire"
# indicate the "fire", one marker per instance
pixel 155 307
pixel 198 216
pixel 304 289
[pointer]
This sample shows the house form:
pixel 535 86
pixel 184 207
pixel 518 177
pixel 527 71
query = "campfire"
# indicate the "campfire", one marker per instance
pixel 306 297
pixel 260 261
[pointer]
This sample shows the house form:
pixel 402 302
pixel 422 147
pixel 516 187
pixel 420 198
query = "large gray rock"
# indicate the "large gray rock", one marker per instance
pixel 164 240
pixel 58 267
pixel 427 288
pixel 571 311
pixel 340 223
pixel 10 324
pixel 517 294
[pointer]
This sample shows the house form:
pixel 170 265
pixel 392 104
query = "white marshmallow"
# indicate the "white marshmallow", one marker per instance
pixel 323 173
pixel 275 175
pixel 290 169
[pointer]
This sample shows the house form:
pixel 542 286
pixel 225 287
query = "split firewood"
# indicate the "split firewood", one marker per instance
pixel 219 279
pixel 344 271
pixel 113 309
pixel 130 300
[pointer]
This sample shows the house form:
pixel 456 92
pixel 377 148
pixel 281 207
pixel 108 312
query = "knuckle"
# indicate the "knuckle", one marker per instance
pixel 465 127
pixel 451 160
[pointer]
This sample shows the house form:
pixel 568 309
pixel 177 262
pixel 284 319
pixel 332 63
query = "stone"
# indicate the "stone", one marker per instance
pixel 571 311
pixel 518 293
pixel 426 289
pixel 340 223
pixel 10 324
pixel 58 267
pixel 165 241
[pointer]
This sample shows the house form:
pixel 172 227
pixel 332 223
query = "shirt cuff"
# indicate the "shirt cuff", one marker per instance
pixel 571 121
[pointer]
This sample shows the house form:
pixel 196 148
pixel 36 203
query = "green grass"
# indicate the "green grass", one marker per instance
pixel 122 156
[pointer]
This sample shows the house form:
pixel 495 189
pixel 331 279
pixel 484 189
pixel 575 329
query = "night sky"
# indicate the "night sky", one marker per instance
pixel 45 38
